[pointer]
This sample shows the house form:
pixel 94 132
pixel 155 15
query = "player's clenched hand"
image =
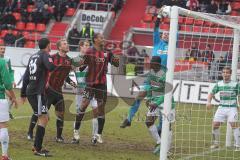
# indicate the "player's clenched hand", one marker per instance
pixel 209 106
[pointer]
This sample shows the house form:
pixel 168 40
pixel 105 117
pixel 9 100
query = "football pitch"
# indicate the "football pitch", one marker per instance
pixel 192 136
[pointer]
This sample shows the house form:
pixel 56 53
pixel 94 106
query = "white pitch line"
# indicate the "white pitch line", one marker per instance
pixel 21 117
pixel 201 154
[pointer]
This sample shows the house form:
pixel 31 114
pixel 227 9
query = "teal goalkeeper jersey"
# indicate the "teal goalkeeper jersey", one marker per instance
pixel 5 78
pixel 228 93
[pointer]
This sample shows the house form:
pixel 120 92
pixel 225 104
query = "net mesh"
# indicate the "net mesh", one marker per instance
pixel 203 49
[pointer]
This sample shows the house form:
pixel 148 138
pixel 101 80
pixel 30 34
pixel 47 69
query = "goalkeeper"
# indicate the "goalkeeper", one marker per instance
pixel 160 48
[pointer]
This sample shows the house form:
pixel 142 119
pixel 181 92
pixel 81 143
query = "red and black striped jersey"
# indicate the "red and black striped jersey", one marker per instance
pixel 97 62
pixel 60 74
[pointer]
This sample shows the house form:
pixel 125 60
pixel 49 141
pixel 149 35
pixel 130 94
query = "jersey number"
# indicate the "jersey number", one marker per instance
pixel 33 66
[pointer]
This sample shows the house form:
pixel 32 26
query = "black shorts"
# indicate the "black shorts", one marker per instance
pixel 99 92
pixel 56 99
pixel 38 103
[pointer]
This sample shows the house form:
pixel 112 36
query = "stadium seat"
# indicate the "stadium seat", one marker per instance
pixel 17 15
pixel 235 13
pixel 20 26
pixel 208 24
pixel 235 5
pixel 198 22
pixel 70 12
pixel 180 20
pixel 143 25
pixel 189 21
pixel 26 34
pixel 166 20
pixel 196 28
pixel 164 26
pixel 1 41
pixel 15 32
pixel 228 31
pixel 206 29
pixel 29 44
pixel 30 26
pixel 4 32
pixel 147 18
pixel 41 27
pixel 30 8
pixel 187 28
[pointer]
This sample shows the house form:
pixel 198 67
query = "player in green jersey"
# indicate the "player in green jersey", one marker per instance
pixel 228 107
pixel 5 85
pixel 11 71
pixel 154 85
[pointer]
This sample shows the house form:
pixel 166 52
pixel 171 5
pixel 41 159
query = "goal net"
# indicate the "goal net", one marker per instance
pixel 203 45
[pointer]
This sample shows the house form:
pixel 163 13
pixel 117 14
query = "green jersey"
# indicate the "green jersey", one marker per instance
pixel 5 78
pixel 228 93
pixel 81 74
pixel 11 71
pixel 155 87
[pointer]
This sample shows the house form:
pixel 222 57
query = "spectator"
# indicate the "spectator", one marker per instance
pixel 37 17
pixel 72 3
pixel 24 15
pixel 8 20
pixel 87 31
pixel 117 5
pixel 228 57
pixel 208 56
pixel 195 53
pixel 10 5
pixel 224 8
pixel 59 9
pixel 192 5
pixel 2 5
pixel 9 38
pixel 39 4
pixel 46 14
pixel 221 63
pixel 212 8
pixel 73 38
pixel 20 40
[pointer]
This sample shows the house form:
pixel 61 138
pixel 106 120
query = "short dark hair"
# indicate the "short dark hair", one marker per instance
pixel 43 43
pixel 95 36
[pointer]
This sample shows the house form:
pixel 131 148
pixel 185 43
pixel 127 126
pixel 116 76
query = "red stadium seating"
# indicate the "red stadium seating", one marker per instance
pixel 70 12
pixel 147 18
pixel 228 31
pixel 3 33
pixel 164 26
pixel 20 26
pixel 34 36
pixel 1 41
pixel 30 26
pixel 15 32
pixel 186 28
pixel 26 34
pixel 198 22
pixel 196 28
pixel 41 27
pixel 189 21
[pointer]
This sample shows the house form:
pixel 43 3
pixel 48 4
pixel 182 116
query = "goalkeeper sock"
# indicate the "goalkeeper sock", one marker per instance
pixel 32 124
pixel 236 136
pixel 94 126
pixel 59 125
pixel 133 109
pixel 4 139
pixel 216 136
pixel 154 132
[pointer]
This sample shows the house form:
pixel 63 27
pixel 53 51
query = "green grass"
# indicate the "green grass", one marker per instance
pixel 192 136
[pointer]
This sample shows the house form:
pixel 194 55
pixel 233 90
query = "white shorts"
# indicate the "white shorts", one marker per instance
pixel 223 113
pixel 93 102
pixel 158 112
pixel 4 110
